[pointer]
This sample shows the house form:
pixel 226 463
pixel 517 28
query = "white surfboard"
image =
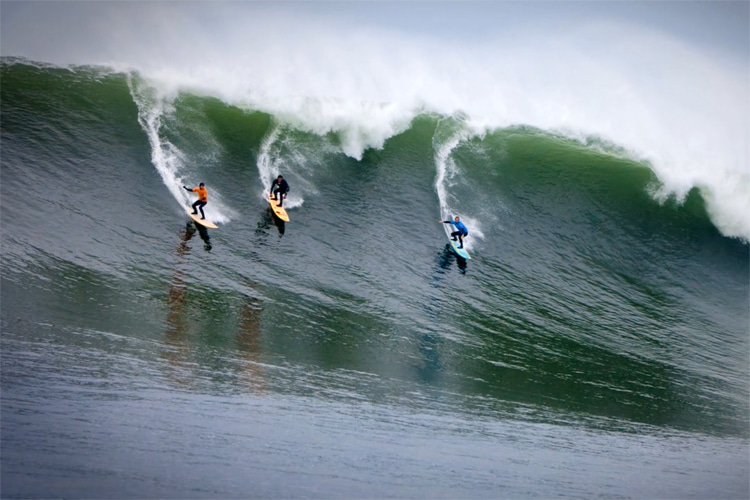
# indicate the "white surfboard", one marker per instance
pixel 202 222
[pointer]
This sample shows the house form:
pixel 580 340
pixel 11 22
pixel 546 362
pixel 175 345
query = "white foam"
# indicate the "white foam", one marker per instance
pixel 679 106
pixel 169 161
pixel 449 133
pixel 672 106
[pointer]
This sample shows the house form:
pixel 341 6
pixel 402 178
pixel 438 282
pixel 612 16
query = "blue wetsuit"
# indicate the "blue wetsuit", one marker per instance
pixel 461 231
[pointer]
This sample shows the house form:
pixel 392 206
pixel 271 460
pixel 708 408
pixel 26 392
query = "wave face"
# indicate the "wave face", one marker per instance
pixel 602 298
pixel 677 104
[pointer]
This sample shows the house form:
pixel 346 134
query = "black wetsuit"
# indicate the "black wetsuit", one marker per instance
pixel 282 188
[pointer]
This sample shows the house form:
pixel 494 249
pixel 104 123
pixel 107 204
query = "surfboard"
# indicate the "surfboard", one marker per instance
pixel 461 252
pixel 204 222
pixel 279 211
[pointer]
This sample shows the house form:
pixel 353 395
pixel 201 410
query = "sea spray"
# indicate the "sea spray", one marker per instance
pixel 268 164
pixel 283 152
pixel 166 158
pixel 449 133
pixel 154 105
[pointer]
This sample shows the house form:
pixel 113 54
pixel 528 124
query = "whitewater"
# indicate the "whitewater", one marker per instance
pixel 679 108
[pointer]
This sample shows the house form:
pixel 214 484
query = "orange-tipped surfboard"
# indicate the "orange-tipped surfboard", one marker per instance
pixel 279 211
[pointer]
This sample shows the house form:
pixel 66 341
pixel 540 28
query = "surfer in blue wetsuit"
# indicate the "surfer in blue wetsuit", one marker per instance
pixel 461 232
pixel 282 187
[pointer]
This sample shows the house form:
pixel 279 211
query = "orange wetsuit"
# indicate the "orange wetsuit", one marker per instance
pixel 202 193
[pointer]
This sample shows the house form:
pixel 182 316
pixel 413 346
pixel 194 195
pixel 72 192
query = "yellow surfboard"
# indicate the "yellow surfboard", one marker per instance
pixel 202 222
pixel 279 211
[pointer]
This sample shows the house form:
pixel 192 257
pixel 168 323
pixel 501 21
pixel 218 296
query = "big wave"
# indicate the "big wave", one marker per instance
pixel 672 105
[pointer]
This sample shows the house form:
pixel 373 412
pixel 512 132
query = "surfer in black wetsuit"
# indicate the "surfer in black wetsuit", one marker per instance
pixel 282 187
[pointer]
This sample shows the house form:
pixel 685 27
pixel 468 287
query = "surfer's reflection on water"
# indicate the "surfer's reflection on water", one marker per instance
pixel 448 256
pixel 265 222
pixel 430 368
pixel 203 232
pixel 249 345
pixel 280 225
pixel 187 316
pixel 176 350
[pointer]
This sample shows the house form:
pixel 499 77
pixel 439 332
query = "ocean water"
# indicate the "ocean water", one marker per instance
pixel 595 346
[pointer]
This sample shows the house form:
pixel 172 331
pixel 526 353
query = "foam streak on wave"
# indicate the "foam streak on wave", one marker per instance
pixel 272 162
pixel 448 135
pixel 268 167
pixel 165 157
pixel 153 105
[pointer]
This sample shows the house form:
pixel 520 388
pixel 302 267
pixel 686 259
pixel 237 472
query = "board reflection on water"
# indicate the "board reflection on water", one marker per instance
pixel 447 257
pixel 265 222
pixel 201 325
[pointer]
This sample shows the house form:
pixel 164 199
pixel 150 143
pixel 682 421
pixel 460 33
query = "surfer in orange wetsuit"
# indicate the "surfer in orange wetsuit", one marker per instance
pixel 202 199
